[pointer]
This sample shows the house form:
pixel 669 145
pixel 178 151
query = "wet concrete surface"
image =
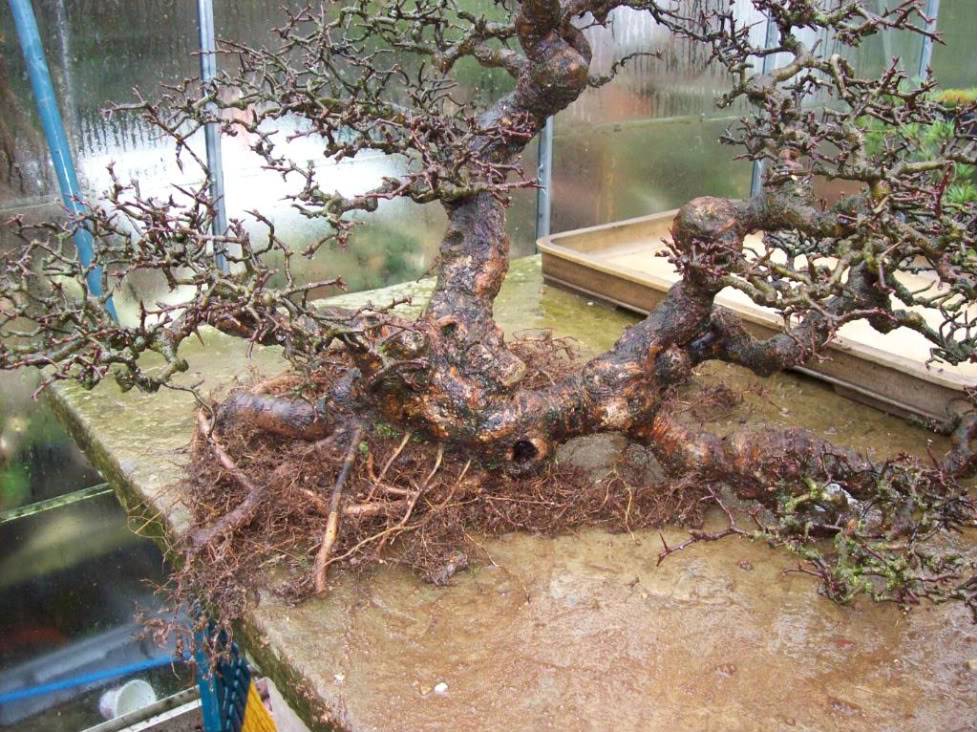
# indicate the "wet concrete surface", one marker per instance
pixel 582 632
pixel 586 633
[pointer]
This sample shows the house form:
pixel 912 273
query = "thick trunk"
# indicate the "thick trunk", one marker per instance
pixel 460 384
pixel 451 375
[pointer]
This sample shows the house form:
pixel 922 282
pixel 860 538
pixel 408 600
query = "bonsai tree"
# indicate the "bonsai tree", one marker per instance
pixel 369 76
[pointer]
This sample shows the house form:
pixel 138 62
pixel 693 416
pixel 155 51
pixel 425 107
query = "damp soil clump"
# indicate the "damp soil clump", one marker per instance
pixel 261 502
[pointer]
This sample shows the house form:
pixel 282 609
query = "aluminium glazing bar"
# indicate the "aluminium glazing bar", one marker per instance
pixel 208 70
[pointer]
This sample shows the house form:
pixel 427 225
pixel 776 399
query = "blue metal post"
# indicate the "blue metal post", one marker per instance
pixel 208 70
pixel 208 682
pixel 223 685
pixel 57 140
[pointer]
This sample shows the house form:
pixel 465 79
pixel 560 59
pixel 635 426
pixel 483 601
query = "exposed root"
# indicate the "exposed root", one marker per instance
pixel 245 510
pixel 378 480
pixel 403 499
pixel 961 460
pixel 408 505
pixel 332 521
pixel 698 535
pixel 400 498
pixel 292 419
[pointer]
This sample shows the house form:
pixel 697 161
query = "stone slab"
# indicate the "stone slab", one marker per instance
pixel 582 632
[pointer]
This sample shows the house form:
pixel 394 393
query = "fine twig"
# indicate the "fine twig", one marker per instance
pixel 390 461
pixel 382 536
pixel 695 536
pixel 413 500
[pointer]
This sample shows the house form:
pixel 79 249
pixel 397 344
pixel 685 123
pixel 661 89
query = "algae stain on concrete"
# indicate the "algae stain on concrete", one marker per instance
pixel 585 632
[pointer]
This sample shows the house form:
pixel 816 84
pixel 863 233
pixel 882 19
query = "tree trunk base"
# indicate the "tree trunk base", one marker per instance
pixel 269 486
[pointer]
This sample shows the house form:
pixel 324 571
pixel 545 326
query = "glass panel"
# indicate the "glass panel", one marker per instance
pixel 72 576
pixel 99 51
pixel 71 571
pixel 648 140
pixel 955 60
pixel 400 240
pixel 876 52
pixel 618 171
pixel 37 459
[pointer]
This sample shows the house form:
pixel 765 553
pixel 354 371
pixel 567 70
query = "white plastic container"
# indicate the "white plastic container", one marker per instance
pixel 129 697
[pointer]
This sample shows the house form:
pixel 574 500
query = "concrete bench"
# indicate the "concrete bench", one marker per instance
pixel 581 632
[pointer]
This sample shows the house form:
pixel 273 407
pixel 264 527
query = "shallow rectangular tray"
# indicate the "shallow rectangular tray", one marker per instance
pixel 623 263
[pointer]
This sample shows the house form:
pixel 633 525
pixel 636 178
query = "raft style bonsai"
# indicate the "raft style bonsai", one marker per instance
pixel 488 413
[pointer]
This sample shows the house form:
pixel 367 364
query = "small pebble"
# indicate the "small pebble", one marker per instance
pixel 441 688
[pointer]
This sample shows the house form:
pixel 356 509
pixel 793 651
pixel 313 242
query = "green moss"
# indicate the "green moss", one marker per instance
pixel 14 486
pixel 383 429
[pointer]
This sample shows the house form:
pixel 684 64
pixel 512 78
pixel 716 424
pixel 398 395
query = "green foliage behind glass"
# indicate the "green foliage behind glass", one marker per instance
pixel 923 142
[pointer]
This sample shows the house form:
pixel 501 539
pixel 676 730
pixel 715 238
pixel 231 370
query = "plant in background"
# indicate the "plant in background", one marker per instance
pixel 957 185
pixel 363 76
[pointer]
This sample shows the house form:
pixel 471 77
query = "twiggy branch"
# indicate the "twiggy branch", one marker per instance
pixel 696 535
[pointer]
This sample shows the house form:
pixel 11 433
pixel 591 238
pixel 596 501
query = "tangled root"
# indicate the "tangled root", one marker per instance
pixel 370 494
pixel 374 494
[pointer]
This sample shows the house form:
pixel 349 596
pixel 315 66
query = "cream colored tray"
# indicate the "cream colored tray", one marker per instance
pixel 623 263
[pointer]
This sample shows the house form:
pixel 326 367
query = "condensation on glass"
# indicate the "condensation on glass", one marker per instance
pixel 647 141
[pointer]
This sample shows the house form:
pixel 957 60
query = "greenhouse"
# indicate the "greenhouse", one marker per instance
pixel 459 365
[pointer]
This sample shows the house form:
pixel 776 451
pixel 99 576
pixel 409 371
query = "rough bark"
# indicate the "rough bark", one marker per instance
pixel 450 375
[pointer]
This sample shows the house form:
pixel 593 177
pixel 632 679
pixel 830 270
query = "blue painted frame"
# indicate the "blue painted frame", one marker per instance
pixel 57 140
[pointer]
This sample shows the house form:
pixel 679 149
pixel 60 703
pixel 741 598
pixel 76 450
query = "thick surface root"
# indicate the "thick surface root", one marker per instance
pixel 371 493
pixel 404 500
pixel 392 497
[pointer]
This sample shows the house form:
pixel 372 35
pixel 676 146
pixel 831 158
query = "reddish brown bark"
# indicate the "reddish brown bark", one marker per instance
pixel 450 375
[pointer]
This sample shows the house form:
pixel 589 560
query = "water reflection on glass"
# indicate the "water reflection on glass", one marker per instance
pixel 73 573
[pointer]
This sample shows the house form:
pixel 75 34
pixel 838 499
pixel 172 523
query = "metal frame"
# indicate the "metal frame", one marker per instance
pixel 215 162
pixel 926 52
pixel 770 39
pixel 544 176
pixel 61 156
pixel 57 141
